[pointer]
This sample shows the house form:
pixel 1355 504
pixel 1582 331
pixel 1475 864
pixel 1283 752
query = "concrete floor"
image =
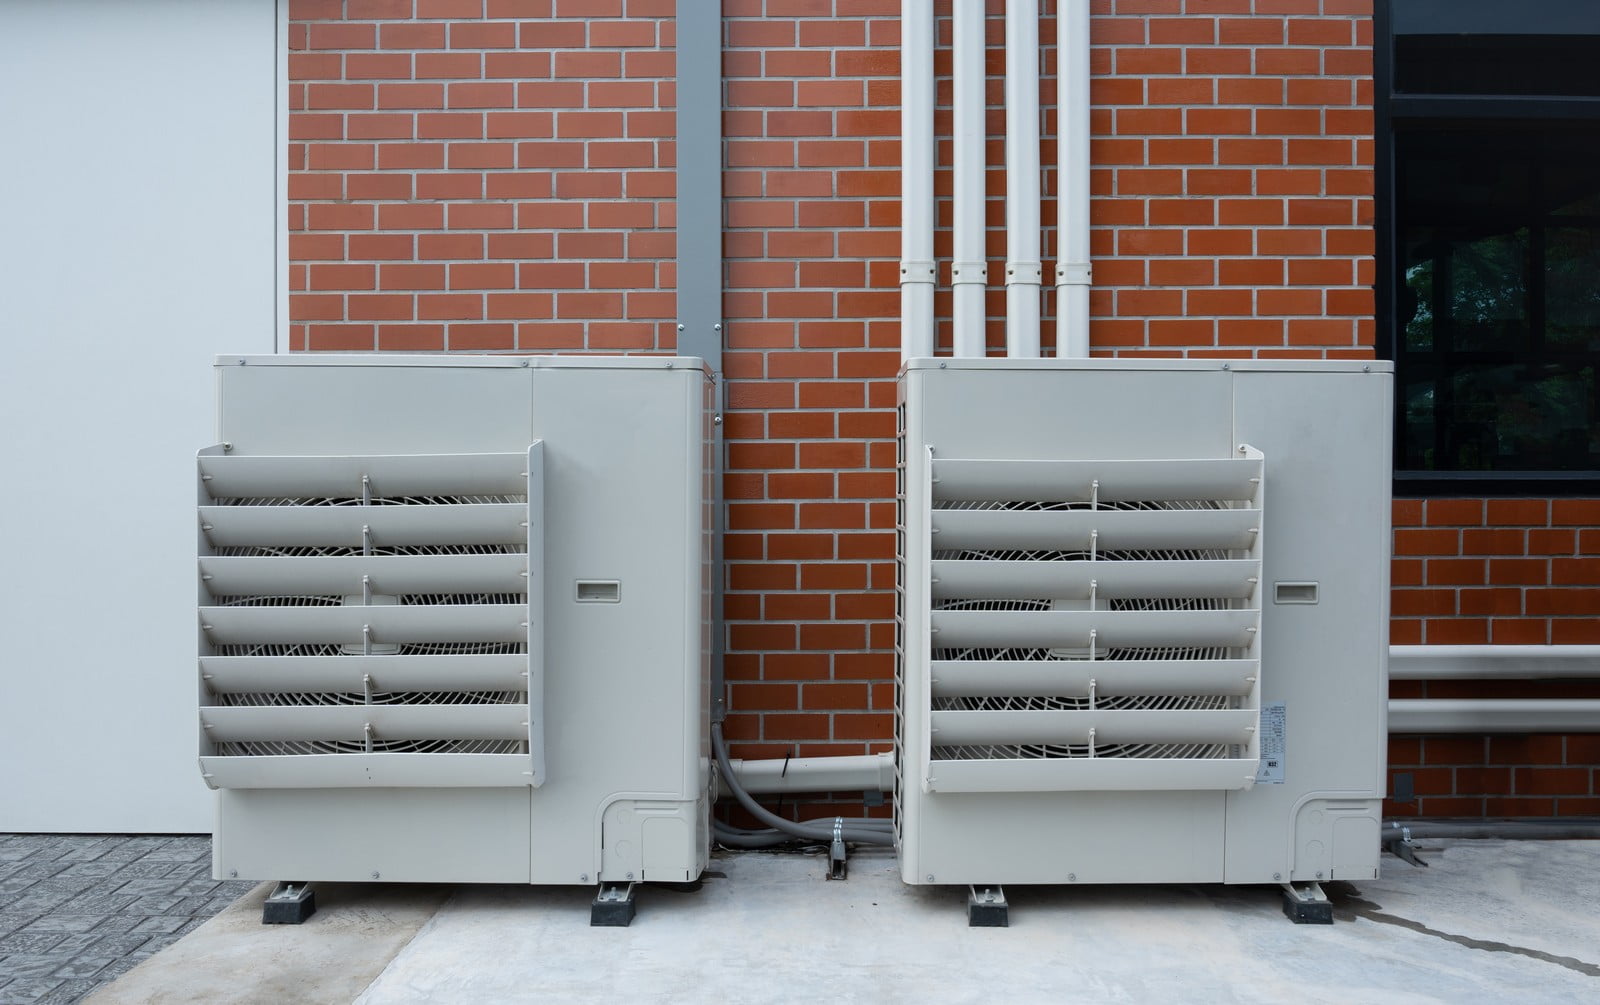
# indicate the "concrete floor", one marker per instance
pixel 1489 921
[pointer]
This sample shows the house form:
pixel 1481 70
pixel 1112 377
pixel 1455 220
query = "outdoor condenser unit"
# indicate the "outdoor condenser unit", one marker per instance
pixel 1143 620
pixel 454 619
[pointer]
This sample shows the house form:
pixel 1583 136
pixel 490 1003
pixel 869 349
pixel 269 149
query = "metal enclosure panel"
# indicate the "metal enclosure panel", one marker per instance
pixel 1327 438
pixel 360 835
pixel 623 583
pixel 1323 428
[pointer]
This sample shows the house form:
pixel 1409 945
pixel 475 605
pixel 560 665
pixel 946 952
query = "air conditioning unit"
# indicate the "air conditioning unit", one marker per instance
pixel 454 619
pixel 1143 615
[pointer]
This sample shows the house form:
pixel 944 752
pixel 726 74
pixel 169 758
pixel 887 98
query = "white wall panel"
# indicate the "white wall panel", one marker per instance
pixel 141 194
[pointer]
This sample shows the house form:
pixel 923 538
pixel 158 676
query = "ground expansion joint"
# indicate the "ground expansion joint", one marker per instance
pixel 1349 907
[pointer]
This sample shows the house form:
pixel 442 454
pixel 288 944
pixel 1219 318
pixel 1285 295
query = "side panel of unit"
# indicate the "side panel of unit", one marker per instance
pixel 624 668
pixel 1049 837
pixel 1327 439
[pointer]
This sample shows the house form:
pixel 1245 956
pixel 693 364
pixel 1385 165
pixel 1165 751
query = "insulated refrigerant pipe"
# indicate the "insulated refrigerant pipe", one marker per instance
pixel 1023 271
pixel 1493 715
pixel 969 272
pixel 1493 662
pixel 855 833
pixel 851 773
pixel 1540 830
pixel 916 179
pixel 1073 272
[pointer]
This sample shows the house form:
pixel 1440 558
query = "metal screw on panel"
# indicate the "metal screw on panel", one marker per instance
pixel 374 874
pixel 716 328
pixel 716 420
pixel 243 362
pixel 930 877
pixel 1227 366
pixel 523 363
pixel 681 327
pixel 630 875
pixel 943 365
pixel 1277 877
pixel 669 366
pixel 1366 369
pixel 1072 877
pixel 233 873
pixel 583 877
pixel 1319 875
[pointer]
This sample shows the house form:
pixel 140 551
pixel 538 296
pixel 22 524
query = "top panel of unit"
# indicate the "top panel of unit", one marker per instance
pixel 1236 365
pixel 511 362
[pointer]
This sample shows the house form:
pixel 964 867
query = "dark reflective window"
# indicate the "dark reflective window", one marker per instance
pixel 1497 299
pixel 1496 64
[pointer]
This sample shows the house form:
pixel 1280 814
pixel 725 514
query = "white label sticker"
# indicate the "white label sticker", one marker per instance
pixel 1272 732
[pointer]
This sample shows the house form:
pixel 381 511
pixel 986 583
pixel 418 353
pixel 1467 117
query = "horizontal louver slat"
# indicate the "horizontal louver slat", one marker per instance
pixel 1070 629
pixel 282 477
pixel 1097 774
pixel 388 624
pixel 1104 530
pixel 349 723
pixel 317 771
pixel 1112 678
pixel 1018 580
pixel 337 575
pixel 354 526
pixel 1119 480
pixel 352 674
pixel 1145 726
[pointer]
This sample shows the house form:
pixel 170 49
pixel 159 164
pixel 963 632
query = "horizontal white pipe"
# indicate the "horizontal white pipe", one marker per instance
pixel 1492 662
pixel 1494 715
pixel 969 271
pixel 916 179
pixel 862 773
pixel 1072 180
pixel 1023 272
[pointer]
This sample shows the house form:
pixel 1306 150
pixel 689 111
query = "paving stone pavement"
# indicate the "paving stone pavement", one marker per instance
pixel 79 911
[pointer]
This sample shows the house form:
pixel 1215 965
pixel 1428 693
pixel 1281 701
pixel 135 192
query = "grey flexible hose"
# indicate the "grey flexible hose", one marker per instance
pixel 850 832
pixel 1575 829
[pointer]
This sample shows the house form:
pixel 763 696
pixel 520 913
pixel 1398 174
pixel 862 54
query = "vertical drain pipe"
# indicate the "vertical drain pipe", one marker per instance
pixel 969 272
pixel 1023 272
pixel 916 179
pixel 1073 272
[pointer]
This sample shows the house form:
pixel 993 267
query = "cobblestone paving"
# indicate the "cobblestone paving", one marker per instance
pixel 79 911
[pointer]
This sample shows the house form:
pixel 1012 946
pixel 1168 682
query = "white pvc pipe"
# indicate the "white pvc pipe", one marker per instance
pixel 969 272
pixel 1492 662
pixel 1494 715
pixel 865 773
pixel 1023 272
pixel 916 179
pixel 1072 179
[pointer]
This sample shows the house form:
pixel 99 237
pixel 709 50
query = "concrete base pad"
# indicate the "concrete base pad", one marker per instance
pixel 1490 921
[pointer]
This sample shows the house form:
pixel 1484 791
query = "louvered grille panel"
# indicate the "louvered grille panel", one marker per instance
pixel 368 620
pixel 1092 624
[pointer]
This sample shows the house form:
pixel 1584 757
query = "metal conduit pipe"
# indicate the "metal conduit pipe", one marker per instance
pixel 917 272
pixel 1580 829
pixel 863 773
pixel 1494 715
pixel 1023 271
pixel 1492 662
pixel 1073 274
pixel 969 272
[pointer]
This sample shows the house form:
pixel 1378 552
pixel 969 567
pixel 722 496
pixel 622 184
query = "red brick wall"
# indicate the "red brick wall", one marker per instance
pixel 497 175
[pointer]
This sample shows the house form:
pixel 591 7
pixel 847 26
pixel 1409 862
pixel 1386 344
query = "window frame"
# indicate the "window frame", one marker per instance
pixel 1394 111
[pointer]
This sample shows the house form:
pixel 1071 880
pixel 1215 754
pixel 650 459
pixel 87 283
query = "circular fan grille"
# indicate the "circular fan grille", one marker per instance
pixel 281 698
pixel 1110 654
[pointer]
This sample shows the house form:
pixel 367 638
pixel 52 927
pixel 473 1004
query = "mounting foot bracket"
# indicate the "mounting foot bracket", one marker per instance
pixel 987 907
pixel 1306 904
pixel 612 906
pixel 838 863
pixel 289 904
pixel 1400 847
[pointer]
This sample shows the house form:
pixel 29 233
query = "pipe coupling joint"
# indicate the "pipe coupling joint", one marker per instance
pixel 969 273
pixel 918 272
pixel 1074 274
pixel 1024 273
